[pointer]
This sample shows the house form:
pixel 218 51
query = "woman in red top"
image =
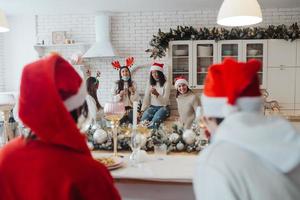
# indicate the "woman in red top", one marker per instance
pixel 53 161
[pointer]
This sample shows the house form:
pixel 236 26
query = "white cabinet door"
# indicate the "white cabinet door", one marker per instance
pixel 257 49
pixel 297 89
pixel 181 54
pixel 298 53
pixel 281 86
pixel 281 53
pixel 204 55
pixel 230 48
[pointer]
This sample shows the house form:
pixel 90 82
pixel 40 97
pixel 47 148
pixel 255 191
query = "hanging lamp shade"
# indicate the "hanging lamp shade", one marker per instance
pixel 239 13
pixel 3 22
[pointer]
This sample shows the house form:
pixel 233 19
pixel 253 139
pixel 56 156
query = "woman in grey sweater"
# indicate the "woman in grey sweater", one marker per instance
pixel 187 102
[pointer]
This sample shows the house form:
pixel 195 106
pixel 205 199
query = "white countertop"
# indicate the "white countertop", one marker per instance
pixel 174 168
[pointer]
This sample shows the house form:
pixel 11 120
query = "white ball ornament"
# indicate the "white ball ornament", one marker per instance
pixel 180 146
pixel 100 136
pixel 189 136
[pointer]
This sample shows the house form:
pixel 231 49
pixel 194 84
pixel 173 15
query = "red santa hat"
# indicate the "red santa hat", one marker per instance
pixel 231 86
pixel 50 88
pixel 157 67
pixel 180 80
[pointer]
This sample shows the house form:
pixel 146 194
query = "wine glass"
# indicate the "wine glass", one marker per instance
pixel 114 111
pixel 135 144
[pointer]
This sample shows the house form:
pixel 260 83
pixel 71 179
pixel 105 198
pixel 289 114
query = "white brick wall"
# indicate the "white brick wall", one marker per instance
pixel 131 33
pixel 2 75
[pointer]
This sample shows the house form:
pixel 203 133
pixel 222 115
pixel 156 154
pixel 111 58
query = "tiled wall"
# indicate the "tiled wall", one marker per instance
pixel 131 33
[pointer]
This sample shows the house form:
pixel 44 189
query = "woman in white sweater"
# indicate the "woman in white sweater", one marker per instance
pixel 94 107
pixel 187 102
pixel 125 89
pixel 156 102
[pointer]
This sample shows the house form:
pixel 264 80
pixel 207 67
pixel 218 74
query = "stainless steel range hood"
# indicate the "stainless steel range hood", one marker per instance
pixel 103 46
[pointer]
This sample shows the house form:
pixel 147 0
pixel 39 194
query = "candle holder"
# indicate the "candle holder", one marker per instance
pixel 114 111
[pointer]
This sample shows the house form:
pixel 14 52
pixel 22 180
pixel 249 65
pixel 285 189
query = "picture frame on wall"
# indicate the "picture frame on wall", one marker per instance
pixel 58 37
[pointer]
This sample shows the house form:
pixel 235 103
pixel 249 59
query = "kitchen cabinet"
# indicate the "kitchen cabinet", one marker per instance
pixel 281 86
pixel 191 59
pixel 283 75
pixel 281 53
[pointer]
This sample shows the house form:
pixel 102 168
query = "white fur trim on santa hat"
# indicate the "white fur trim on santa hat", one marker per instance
pixel 180 81
pixel 218 106
pixel 77 99
pixel 157 68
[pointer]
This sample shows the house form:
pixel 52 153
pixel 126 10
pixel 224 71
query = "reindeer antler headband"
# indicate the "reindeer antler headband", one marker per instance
pixel 129 63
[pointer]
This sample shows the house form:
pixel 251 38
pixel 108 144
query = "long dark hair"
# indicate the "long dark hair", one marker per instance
pixel 83 109
pixel 120 82
pixel 178 93
pixel 91 84
pixel 161 77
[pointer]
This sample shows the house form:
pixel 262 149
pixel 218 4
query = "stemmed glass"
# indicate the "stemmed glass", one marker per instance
pixel 135 144
pixel 114 111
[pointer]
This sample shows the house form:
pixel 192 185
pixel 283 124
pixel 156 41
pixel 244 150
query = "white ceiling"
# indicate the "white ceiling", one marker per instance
pixel 13 7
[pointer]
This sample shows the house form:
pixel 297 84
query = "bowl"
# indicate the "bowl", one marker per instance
pixel 227 52
pixel 252 52
pixel 204 51
pixel 181 52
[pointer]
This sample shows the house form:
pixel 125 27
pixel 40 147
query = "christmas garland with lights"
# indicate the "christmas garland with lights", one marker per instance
pixel 160 42
pixel 192 140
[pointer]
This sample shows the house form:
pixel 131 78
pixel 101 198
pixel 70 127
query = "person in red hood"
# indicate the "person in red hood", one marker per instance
pixel 53 161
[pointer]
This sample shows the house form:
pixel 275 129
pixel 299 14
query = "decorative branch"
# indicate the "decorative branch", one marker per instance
pixel 160 42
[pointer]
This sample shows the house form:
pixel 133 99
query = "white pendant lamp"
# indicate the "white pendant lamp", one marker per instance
pixel 239 13
pixel 3 22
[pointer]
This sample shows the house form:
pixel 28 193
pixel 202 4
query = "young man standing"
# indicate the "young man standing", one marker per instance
pixel 251 156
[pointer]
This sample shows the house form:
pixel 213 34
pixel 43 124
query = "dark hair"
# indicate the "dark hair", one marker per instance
pixel 83 109
pixel 161 77
pixel 91 84
pixel 218 120
pixel 120 82
pixel 178 93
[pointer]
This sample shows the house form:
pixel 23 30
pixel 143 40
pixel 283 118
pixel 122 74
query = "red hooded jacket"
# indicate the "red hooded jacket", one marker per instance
pixel 57 165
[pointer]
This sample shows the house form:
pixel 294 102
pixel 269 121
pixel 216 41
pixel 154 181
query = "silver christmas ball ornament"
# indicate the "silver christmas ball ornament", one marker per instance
pixel 180 146
pixel 100 136
pixel 189 136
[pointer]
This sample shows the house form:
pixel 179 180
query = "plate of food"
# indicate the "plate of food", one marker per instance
pixel 111 162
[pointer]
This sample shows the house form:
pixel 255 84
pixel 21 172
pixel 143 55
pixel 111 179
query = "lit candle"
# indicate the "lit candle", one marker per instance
pixel 135 106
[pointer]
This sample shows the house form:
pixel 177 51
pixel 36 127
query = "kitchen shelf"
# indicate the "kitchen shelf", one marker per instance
pixel 204 56
pixel 180 72
pixel 259 56
pixel 60 45
pixel 42 49
pixel 180 56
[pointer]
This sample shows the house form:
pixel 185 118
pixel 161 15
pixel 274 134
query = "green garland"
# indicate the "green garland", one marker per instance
pixel 160 42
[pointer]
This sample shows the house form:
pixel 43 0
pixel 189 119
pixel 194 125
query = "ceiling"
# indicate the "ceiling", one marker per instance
pixel 15 7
